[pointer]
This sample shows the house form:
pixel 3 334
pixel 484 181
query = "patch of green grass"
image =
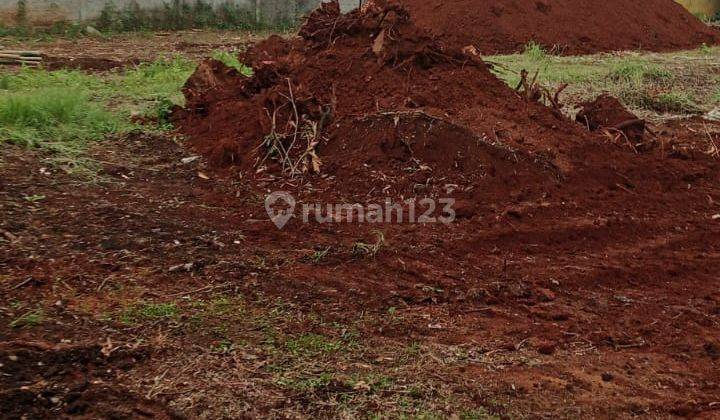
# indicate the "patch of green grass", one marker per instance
pixel 311 383
pixel 664 83
pixel 231 60
pixel 151 89
pixel 139 313
pixel 29 319
pixel 62 112
pixel 317 256
pixel 675 102
pixel 60 120
pixel 639 72
pixel 312 345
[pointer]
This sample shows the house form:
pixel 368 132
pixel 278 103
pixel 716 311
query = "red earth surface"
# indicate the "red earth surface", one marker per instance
pixel 580 274
pixel 577 234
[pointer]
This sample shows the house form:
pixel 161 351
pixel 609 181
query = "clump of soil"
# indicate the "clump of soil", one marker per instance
pixel 356 96
pixel 563 26
pixel 607 113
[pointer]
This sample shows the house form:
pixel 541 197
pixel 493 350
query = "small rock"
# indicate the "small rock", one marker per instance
pixel 13 358
pixel 607 376
pixel 716 217
pixel 189 159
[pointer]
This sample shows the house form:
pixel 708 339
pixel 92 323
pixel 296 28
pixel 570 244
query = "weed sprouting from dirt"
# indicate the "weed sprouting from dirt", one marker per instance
pixel 535 52
pixel 29 319
pixel 317 256
pixel 312 344
pixel 366 249
pixel 61 120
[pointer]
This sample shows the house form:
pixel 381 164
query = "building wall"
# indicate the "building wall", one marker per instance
pixel 46 12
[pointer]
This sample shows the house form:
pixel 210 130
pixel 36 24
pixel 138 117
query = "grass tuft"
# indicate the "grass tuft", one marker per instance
pixel 535 52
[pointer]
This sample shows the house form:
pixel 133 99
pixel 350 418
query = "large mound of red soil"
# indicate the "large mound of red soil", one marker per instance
pixel 565 26
pixel 376 104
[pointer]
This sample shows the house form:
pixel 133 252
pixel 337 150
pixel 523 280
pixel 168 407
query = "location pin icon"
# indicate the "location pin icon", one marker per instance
pixel 284 213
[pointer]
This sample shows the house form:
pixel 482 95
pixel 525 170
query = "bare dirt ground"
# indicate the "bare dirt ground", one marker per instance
pixel 162 290
pixel 124 50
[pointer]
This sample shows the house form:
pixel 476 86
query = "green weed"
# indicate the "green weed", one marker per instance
pixel 312 345
pixel 317 256
pixel 311 383
pixel 29 319
pixel 535 52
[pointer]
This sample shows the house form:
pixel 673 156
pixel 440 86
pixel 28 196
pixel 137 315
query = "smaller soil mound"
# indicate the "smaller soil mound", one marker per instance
pixel 563 26
pixel 607 113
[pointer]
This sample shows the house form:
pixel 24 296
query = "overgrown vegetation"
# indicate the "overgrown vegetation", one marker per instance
pixel 653 83
pixel 62 112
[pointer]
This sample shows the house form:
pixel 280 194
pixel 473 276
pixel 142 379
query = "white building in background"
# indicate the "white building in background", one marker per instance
pixel 47 12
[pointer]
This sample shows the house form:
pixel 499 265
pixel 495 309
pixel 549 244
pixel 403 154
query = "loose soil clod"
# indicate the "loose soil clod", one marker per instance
pixel 607 113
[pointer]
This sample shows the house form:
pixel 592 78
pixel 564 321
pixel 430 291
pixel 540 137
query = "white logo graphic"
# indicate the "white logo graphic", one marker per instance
pixel 283 213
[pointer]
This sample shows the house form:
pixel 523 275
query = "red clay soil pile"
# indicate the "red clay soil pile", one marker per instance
pixel 369 100
pixel 563 26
